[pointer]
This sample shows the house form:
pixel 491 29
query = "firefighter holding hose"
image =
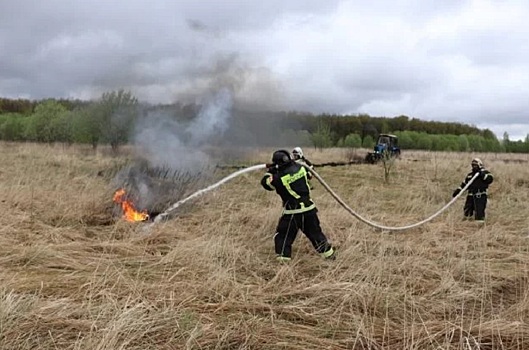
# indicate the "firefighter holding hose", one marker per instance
pixel 476 201
pixel 290 181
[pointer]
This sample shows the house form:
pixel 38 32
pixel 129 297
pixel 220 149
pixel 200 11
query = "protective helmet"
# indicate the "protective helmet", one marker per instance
pixel 281 157
pixel 297 153
pixel 476 162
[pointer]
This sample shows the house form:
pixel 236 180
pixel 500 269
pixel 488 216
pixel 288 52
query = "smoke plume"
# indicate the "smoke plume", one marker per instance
pixel 165 140
pixel 178 144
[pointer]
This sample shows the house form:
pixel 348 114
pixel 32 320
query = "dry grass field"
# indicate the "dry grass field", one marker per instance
pixel 75 276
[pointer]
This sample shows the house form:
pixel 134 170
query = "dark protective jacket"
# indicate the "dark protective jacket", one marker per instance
pixel 480 184
pixel 292 184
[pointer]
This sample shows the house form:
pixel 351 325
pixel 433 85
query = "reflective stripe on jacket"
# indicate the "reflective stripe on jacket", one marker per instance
pixel 291 183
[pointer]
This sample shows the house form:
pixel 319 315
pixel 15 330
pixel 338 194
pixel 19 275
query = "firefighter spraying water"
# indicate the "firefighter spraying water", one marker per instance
pixel 291 182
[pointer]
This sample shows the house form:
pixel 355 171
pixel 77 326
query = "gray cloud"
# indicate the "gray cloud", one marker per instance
pixel 450 60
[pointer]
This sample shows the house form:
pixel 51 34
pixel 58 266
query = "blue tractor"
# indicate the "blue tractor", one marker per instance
pixel 386 146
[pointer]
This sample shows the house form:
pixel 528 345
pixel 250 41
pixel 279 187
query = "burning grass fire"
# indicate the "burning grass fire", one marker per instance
pixel 129 211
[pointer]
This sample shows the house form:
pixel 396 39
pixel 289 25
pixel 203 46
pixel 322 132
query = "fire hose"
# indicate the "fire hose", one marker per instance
pixel 207 189
pixel 173 207
pixel 383 227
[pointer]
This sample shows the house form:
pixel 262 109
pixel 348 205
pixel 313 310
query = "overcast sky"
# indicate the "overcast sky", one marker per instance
pixel 446 60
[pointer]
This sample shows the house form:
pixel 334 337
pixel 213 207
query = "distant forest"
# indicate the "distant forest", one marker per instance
pixel 116 116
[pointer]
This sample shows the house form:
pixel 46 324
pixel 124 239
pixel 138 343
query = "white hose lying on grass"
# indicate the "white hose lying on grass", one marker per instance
pixel 317 176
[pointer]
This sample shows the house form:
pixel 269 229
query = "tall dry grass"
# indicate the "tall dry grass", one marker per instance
pixel 74 277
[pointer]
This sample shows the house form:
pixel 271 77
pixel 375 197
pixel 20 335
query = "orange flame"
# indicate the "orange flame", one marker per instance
pixel 129 211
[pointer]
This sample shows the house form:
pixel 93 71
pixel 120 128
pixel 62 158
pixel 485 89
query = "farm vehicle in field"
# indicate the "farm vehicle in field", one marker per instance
pixel 386 147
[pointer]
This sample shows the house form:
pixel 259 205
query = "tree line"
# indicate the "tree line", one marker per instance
pixel 111 119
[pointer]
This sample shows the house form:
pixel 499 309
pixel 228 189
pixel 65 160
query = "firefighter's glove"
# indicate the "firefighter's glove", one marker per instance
pixel 272 169
pixel 456 192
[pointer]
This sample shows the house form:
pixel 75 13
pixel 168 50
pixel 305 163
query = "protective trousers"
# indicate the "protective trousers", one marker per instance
pixel 475 206
pixel 287 230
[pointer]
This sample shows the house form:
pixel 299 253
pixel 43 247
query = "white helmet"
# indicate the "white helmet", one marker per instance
pixel 477 162
pixel 297 153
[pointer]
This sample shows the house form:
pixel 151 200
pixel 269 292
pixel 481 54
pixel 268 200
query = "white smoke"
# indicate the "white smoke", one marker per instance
pixel 212 120
pixel 166 141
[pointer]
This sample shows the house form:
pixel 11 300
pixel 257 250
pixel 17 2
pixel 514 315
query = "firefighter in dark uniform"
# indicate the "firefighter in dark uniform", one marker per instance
pixel 289 179
pixel 476 201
